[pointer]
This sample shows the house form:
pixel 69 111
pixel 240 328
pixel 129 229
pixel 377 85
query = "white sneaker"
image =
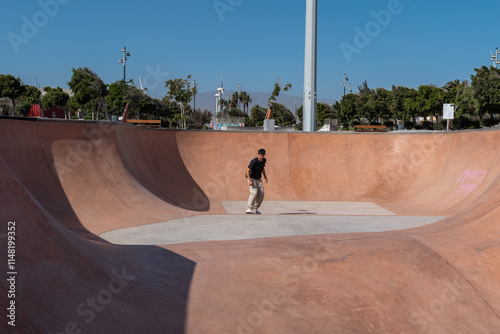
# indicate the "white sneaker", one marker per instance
pixel 249 212
pixel 257 212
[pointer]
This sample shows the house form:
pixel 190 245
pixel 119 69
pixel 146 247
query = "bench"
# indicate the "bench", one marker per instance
pixel 370 128
pixel 149 123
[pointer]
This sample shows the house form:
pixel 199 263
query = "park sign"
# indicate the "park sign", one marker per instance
pixel 448 111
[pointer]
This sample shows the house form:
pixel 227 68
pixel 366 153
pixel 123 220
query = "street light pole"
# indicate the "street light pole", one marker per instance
pixel 344 83
pixel 310 61
pixel 124 61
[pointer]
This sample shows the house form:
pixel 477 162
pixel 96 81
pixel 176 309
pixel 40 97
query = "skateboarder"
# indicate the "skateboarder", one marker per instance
pixel 256 169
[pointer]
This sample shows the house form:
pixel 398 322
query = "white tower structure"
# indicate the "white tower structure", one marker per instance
pixel 219 96
pixel 309 112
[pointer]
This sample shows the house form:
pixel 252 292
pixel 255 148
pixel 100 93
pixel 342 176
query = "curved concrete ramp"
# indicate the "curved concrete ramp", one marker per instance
pixel 66 183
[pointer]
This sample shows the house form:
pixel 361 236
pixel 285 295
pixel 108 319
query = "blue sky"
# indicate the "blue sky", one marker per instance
pixel 254 42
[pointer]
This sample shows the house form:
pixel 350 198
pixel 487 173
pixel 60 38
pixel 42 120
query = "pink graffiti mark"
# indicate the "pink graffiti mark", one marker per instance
pixel 470 180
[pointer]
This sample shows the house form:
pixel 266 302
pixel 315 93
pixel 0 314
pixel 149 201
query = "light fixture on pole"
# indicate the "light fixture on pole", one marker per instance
pixel 494 58
pixel 124 61
pixel 345 84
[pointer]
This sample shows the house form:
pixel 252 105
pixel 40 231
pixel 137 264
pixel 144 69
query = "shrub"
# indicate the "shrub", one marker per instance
pixel 23 109
pixel 490 122
pixel 426 125
pixel 4 109
pixel 441 125
pixel 409 125
pixel 388 124
pixel 353 123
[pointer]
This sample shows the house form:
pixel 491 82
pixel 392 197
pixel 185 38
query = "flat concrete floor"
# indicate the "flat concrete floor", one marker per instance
pixel 277 219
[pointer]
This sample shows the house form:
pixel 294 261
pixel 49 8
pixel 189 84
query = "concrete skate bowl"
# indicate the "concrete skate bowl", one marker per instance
pixel 65 183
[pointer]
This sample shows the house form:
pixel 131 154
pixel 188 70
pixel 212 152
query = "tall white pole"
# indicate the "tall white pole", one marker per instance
pixel 309 109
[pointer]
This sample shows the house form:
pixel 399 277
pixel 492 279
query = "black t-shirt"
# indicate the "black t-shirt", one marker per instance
pixel 256 167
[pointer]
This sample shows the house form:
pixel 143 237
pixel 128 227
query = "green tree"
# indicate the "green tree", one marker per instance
pixel 235 112
pixel 257 115
pixel 198 119
pixel 224 107
pixel 170 110
pixel 347 109
pixel 134 97
pixel 117 98
pixel 283 115
pixel 88 89
pixel 379 102
pixel 427 102
pixel 31 94
pixel 11 88
pixel 54 97
pixel 364 89
pixel 234 100
pixel 461 95
pixel 245 101
pixel 276 92
pixel 411 105
pixel 180 91
pixel 486 90
pixel 144 106
pixel 23 109
pixel 362 105
pixel 324 111
pixel 397 108
pixel 149 106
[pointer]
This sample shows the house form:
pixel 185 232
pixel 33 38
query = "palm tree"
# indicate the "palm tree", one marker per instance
pixel 245 100
pixel 223 103
pixel 450 85
pixel 234 100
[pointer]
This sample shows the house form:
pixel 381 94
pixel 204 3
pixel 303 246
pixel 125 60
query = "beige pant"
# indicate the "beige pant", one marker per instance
pixel 256 195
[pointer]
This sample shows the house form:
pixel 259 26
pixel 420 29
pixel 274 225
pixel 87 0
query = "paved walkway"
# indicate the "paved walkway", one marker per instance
pixel 277 219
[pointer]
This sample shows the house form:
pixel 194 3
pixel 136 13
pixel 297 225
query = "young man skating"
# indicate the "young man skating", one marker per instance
pixel 256 169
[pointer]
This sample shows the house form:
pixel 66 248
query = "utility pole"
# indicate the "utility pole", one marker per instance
pixel 345 84
pixel 309 114
pixel 124 60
